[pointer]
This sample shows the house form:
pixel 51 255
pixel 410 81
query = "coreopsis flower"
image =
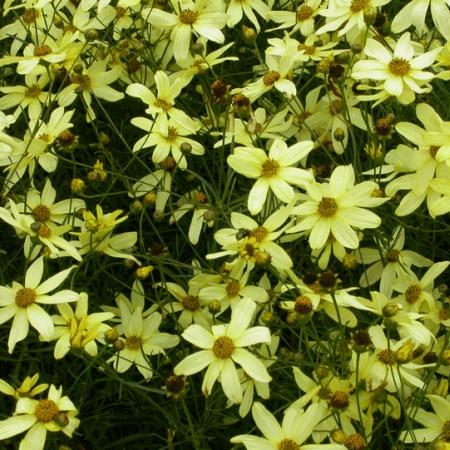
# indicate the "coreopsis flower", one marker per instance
pixel 199 17
pixel 323 293
pixel 417 295
pixel 31 96
pixel 253 242
pixel 96 235
pixel 22 302
pixel 202 213
pixel 37 146
pixel 386 262
pixel 193 308
pixel 302 19
pixel 436 423
pixel 38 234
pixel 156 187
pixel 89 81
pixel 346 15
pixel 337 208
pixel 340 399
pixel 401 71
pixel 259 126
pixel 406 322
pixel 142 339
pixel 76 329
pixel 383 368
pixel 237 9
pixel 168 136
pixel 163 103
pixel 44 209
pixel 46 50
pixel 430 160
pixel 277 76
pixel 233 288
pixel 28 388
pixel 126 306
pixel 224 347
pixel 414 13
pixel 54 413
pixel 201 61
pixel 295 429
pixel 312 50
pixel 273 171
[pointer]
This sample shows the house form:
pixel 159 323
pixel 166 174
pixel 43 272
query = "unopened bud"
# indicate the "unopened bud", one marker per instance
pixel 142 273
pixel 111 336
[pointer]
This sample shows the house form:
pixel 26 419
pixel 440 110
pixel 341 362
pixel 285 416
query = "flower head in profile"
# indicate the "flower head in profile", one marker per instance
pixel 28 387
pixel 337 208
pixel 273 171
pixel 54 413
pixel 23 303
pixel 76 329
pixel 224 347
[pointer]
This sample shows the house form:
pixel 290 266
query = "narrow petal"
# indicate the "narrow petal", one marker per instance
pixel 197 335
pixel 41 321
pixel 251 364
pixel 267 423
pixel 230 381
pixel 194 363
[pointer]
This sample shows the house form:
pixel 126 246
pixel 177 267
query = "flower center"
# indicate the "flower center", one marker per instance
pixel 191 303
pixel 433 151
pixel 133 342
pixel 42 50
pixel 288 444
pixel 270 77
pixel 304 12
pixel 66 138
pixel 160 103
pixel 392 255
pixel 223 347
pixel 327 207
pixel 25 297
pixel 83 80
pixel 33 91
pixel 188 16
pixel 29 16
pixel 259 233
pixel 233 288
pixel 446 431
pixel 46 410
pixel 355 442
pixel 339 400
pixel 269 168
pixel 303 305
pixel 120 12
pixel 308 49
pixel 412 294
pixel 387 356
pixel 41 213
pixel 399 66
pixel 359 5
pixel 335 107
pixel 44 231
pixel 172 134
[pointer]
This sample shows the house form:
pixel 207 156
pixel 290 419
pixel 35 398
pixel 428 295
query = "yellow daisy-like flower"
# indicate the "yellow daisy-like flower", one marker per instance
pixel 402 71
pixel 22 303
pixel 337 207
pixel 273 171
pixel 55 413
pixel 222 348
